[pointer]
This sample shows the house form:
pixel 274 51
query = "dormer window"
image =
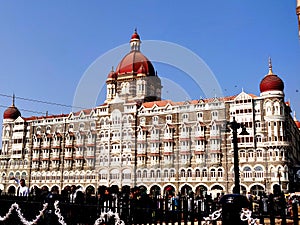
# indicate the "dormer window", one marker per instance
pixel 214 115
pixel 185 117
pixel 71 127
pixel 199 116
pixel 143 121
pixel 81 127
pixel 169 119
pixel 155 119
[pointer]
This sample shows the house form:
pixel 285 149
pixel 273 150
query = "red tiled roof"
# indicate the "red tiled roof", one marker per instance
pixel 44 117
pixel 163 103
pixel 85 112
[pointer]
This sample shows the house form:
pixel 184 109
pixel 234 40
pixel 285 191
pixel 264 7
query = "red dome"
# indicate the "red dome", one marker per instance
pixel 135 35
pixel 271 82
pixel 11 112
pixel 112 75
pixel 132 63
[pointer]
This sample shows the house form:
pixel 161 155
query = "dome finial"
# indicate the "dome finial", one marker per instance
pixel 13 99
pixel 270 66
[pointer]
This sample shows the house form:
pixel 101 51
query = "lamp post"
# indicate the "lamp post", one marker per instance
pixel 279 181
pixel 266 181
pixel 235 126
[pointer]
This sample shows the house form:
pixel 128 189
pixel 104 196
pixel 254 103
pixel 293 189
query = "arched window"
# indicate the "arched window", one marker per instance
pixel 259 153
pixel 204 173
pixel 258 138
pixel 189 173
pixel 258 172
pixel 38 130
pixel 158 173
pixel 197 173
pixel 213 173
pixel 139 174
pixel 166 173
pixel 116 117
pixel 182 173
pixel 145 174
pixel 172 173
pixel 220 172
pixel 268 108
pixel 24 175
pixel 81 126
pixel 247 172
pixel 152 174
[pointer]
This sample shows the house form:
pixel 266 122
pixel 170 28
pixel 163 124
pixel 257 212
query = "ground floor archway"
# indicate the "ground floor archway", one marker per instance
pixel 155 190
pixel 201 190
pixel 186 190
pixel 169 190
pixel 257 190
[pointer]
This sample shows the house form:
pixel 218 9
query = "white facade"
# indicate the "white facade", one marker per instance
pixel 139 141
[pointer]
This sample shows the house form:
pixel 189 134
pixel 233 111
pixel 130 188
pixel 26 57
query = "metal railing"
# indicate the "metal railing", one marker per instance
pixel 142 210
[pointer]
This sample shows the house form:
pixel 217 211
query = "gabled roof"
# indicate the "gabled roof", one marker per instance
pixel 161 103
pixel 84 112
pixel 244 95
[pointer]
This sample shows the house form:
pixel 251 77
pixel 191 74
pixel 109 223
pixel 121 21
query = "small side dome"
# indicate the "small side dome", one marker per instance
pixel 112 75
pixel 11 112
pixel 271 82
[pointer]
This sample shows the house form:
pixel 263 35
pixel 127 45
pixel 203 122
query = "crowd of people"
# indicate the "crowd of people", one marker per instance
pixel 135 203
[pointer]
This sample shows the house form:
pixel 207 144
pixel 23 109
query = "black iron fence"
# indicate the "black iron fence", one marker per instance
pixel 143 209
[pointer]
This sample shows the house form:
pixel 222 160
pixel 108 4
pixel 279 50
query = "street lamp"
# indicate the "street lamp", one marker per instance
pixel 279 181
pixel 235 126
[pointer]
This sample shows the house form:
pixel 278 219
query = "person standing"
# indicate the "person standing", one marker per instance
pixel 50 216
pixel 23 190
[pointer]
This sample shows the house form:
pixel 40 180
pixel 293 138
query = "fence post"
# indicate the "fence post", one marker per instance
pixel 192 209
pixel 261 210
pixel 295 211
pixel 282 204
pixel 271 209
pixel 185 210
pixel 179 209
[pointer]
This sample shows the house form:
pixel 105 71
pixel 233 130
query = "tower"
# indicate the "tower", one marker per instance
pixel 134 78
pixel 9 116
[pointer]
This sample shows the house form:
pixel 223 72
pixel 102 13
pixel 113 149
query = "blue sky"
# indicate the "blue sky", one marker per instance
pixel 46 46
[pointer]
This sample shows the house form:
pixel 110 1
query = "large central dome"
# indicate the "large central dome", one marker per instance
pixel 135 62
